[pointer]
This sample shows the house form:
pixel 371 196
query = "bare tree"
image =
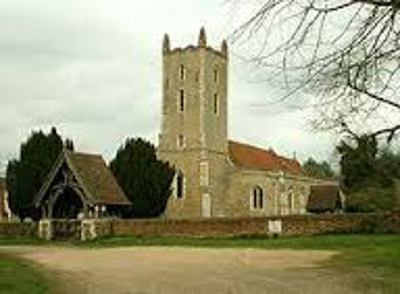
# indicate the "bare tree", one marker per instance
pixel 346 52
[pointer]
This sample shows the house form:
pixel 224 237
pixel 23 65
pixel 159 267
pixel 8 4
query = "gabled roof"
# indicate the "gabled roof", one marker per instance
pixel 92 175
pixel 324 198
pixel 251 157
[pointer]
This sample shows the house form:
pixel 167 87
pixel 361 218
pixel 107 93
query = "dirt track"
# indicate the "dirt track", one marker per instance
pixel 189 270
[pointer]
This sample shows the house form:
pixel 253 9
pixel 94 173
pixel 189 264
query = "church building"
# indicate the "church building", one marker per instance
pixel 215 176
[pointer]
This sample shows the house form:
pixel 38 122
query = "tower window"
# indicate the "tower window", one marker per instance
pixel 181 141
pixel 257 198
pixel 216 74
pixel 216 103
pixel 179 185
pixel 181 100
pixel 204 174
pixel 182 72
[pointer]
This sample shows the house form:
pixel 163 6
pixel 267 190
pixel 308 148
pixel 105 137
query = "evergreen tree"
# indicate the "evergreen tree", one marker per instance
pixel 368 177
pixel 144 179
pixel 26 175
pixel 318 170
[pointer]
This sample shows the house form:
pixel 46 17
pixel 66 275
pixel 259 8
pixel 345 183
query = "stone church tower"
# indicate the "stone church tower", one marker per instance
pixel 194 135
pixel 215 176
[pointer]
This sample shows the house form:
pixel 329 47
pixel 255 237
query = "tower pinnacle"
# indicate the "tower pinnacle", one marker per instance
pixel 224 48
pixel 202 38
pixel 166 44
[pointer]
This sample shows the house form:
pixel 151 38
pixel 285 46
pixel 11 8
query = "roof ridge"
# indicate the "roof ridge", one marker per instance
pixel 77 174
pixel 251 146
pixel 69 152
pixel 270 150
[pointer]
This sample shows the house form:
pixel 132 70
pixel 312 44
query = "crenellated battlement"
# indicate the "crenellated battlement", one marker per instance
pixel 201 45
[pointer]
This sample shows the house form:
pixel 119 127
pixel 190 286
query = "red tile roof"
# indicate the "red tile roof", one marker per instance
pixel 251 157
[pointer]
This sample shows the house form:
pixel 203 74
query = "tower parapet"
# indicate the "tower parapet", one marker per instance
pixel 201 43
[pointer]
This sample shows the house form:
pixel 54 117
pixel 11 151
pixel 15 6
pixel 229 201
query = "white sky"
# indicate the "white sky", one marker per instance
pixel 92 68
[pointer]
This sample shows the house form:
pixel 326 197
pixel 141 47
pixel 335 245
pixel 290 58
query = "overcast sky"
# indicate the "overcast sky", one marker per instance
pixel 92 68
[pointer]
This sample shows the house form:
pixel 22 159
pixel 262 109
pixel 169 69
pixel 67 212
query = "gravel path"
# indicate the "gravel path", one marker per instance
pixel 189 270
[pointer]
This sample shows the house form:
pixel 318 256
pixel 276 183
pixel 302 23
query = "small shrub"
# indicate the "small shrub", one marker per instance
pixel 370 199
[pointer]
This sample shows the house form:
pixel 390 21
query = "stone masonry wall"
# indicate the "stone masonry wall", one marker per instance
pixel 276 189
pixel 286 225
pixel 13 229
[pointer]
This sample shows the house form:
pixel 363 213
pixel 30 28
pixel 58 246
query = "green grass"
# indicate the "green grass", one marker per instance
pixel 18 276
pixel 373 259
pixel 318 242
pixel 20 240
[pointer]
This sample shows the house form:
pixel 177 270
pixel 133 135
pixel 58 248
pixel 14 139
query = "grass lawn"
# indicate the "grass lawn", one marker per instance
pixel 21 277
pixel 21 240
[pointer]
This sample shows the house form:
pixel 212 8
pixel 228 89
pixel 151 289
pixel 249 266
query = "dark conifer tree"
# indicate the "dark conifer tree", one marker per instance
pixel 26 175
pixel 145 180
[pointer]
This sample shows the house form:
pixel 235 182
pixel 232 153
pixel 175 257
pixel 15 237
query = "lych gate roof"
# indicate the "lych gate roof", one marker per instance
pixel 324 198
pixel 251 157
pixel 96 179
pixel 92 175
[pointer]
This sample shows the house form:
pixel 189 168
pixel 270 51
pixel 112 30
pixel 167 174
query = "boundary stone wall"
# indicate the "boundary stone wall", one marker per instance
pixel 13 229
pixel 279 225
pixel 287 225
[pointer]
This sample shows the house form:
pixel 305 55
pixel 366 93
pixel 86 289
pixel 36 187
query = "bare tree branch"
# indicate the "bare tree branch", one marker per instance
pixel 345 52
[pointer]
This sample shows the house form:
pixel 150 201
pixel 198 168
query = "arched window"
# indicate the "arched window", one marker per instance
pixel 257 198
pixel 303 201
pixel 179 185
pixel 290 200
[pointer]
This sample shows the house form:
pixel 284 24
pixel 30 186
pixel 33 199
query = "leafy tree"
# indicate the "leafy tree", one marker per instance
pixel 389 162
pixel 368 177
pixel 319 170
pixel 26 175
pixel 345 52
pixel 358 162
pixel 145 180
